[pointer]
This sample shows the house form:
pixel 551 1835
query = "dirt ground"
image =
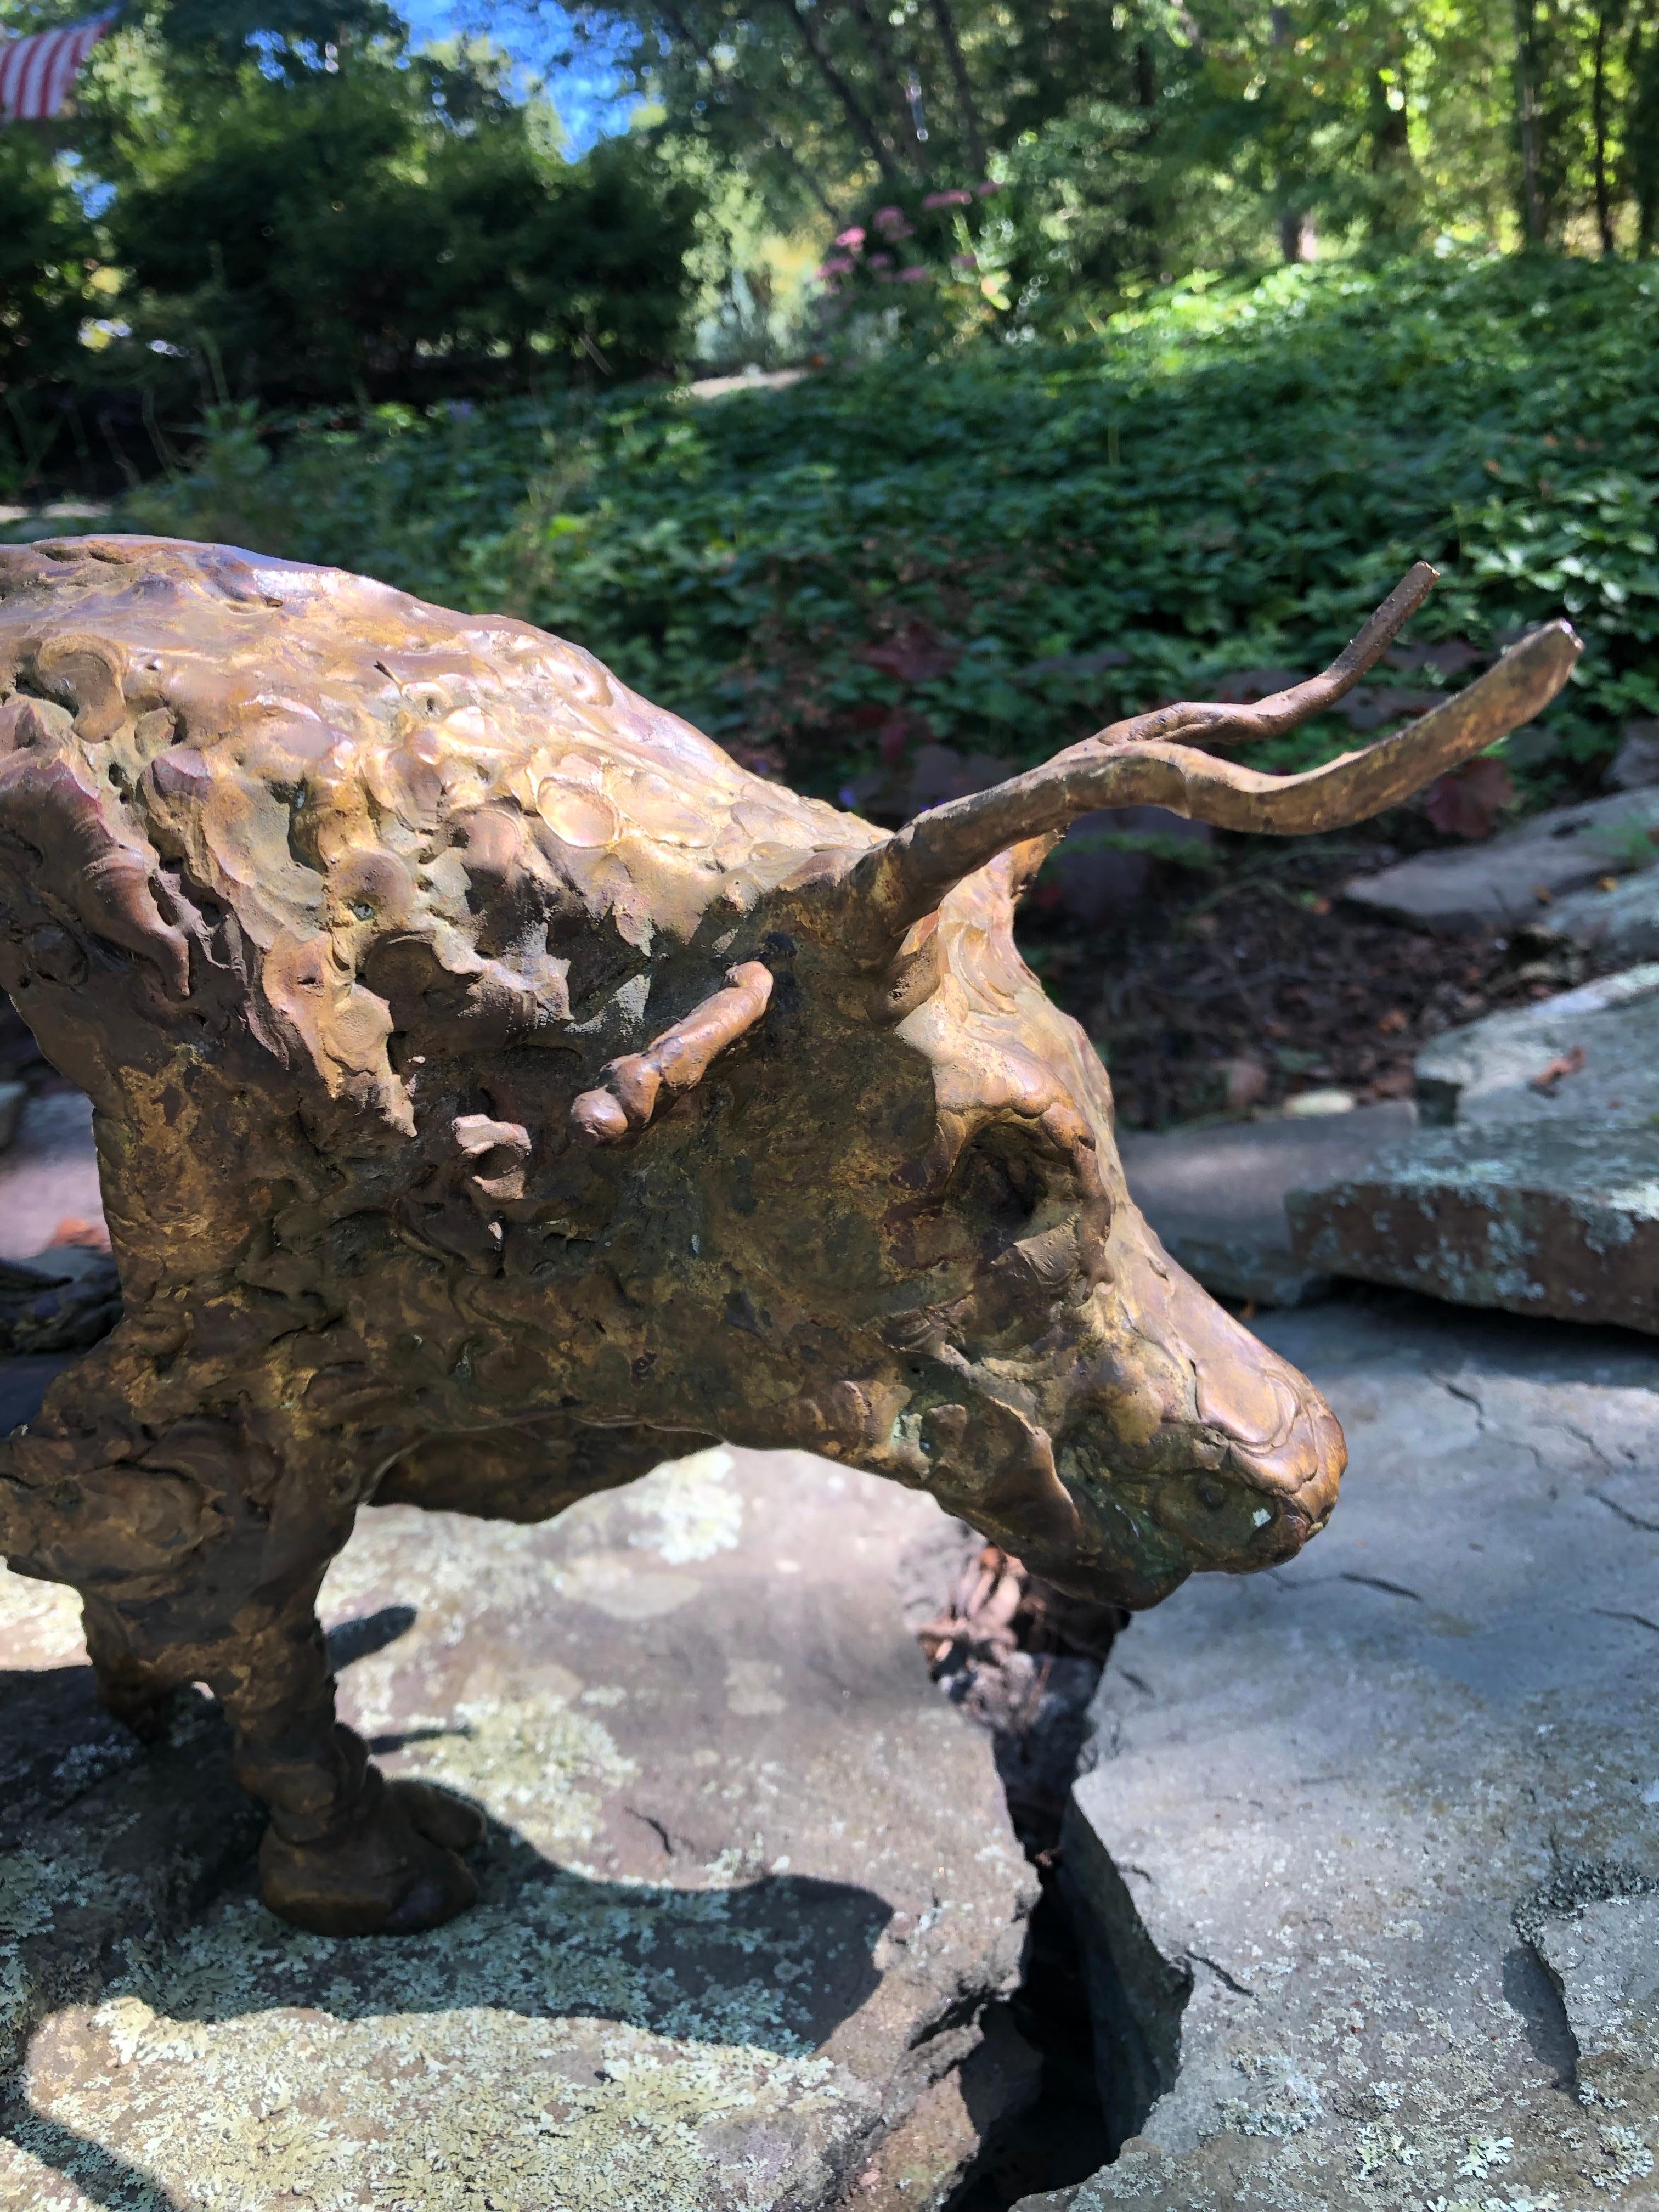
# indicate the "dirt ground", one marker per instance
pixel 1237 984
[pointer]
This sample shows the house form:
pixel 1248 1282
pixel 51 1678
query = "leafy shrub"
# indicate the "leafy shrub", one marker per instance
pixel 388 225
pixel 45 268
pixel 1003 550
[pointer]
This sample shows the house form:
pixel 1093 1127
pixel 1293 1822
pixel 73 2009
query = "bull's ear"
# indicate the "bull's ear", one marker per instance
pixel 1140 763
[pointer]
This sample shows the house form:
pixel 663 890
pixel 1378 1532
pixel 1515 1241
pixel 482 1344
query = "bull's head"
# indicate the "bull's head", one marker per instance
pixel 932 1266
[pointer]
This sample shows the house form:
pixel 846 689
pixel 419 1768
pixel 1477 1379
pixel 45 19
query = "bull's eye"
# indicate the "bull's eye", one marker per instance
pixel 1213 1494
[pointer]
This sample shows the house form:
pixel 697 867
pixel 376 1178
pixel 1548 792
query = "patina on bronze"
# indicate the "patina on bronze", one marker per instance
pixel 498 1091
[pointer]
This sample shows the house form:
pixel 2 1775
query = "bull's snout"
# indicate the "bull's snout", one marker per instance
pixel 1224 1456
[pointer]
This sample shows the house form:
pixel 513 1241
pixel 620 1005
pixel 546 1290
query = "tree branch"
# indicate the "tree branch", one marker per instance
pixel 856 113
pixel 953 54
pixel 736 98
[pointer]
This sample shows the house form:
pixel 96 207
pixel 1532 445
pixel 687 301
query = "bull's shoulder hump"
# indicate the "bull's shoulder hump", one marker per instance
pixel 323 754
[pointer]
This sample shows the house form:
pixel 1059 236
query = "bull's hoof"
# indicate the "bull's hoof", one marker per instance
pixel 394 1872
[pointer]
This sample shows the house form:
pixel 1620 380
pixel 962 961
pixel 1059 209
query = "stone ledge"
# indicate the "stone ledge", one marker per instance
pixel 1371 1841
pixel 1562 1222
pixel 1215 1197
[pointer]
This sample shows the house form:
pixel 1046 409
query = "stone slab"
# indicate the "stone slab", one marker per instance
pixel 49 1174
pixel 1216 1196
pixel 1496 885
pixel 748 1886
pixel 1370 1841
pixel 1619 926
pixel 1488 1071
pixel 1542 1220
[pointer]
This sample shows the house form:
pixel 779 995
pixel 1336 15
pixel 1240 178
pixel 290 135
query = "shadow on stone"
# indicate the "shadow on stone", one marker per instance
pixel 1533 1995
pixel 750 1901
pixel 761 1973
pixel 371 1632
pixel 98 2175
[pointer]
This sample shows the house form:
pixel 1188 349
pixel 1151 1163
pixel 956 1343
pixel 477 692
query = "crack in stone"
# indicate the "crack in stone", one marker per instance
pixel 1625 1513
pixel 1640 1619
pixel 1239 1989
pixel 1381 1583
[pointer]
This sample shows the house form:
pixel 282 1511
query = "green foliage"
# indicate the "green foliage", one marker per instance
pixel 320 223
pixel 46 266
pixel 1229 480
pixel 1142 140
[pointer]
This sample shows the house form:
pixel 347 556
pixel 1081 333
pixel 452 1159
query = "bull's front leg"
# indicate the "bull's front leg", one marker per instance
pixel 347 1852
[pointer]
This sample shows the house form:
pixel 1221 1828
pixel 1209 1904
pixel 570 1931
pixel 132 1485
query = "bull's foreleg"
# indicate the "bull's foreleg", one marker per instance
pixel 347 1852
pixel 134 1690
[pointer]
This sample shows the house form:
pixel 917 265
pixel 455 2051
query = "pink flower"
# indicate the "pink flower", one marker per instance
pixel 838 265
pixel 965 262
pixel 986 190
pixel 957 198
pixel 881 260
pixel 916 274
pixel 885 217
pixel 854 238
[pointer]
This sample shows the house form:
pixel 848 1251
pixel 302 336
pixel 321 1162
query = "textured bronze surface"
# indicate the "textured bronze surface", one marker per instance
pixel 498 1091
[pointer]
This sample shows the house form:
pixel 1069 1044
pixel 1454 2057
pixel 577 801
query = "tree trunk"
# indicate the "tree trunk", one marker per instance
pixel 857 114
pixel 1599 119
pixel 1294 228
pixel 886 68
pixel 973 136
pixel 736 95
pixel 1528 120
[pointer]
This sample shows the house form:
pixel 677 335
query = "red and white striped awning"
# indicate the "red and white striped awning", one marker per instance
pixel 36 73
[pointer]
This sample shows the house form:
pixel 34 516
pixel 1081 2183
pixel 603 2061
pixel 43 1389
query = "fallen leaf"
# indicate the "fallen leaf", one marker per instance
pixel 1392 1022
pixel 1543 894
pixel 1399 1081
pixel 1607 883
pixel 1566 1063
pixel 1467 801
pixel 1247 1082
pixel 89 1236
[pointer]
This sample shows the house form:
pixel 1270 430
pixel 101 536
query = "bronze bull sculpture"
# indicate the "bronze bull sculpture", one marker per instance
pixel 498 1091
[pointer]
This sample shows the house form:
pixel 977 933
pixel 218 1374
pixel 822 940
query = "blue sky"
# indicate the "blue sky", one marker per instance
pixel 586 93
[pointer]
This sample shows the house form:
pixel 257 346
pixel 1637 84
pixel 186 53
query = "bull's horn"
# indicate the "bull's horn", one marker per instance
pixel 1283 710
pixel 908 876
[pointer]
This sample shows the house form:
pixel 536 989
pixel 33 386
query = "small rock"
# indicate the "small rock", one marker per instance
pixel 1215 1197
pixel 1636 763
pixel 1316 1105
pixel 1514 877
